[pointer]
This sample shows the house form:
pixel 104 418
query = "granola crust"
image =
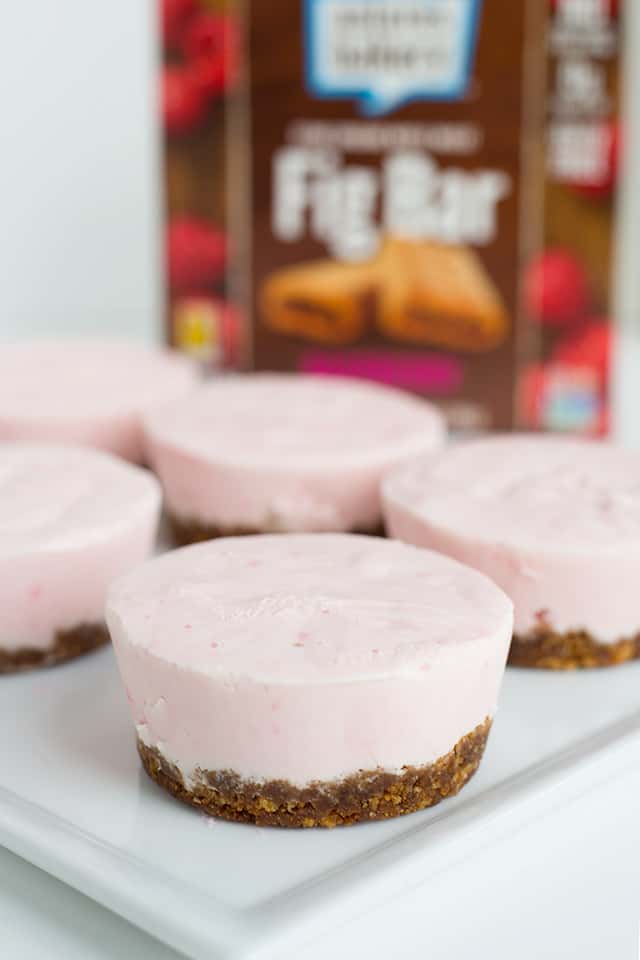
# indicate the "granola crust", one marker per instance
pixel 574 650
pixel 367 795
pixel 186 531
pixel 67 645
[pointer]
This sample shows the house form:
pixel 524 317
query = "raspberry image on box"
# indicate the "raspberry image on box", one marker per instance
pixel 196 254
pixel 204 63
pixel 183 105
pixel 211 46
pixel 174 17
pixel 250 663
pixel 554 522
pixel 556 289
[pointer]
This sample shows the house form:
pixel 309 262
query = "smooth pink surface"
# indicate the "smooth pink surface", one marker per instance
pixel 307 656
pixel 554 522
pixel 71 520
pixel 87 392
pixel 287 453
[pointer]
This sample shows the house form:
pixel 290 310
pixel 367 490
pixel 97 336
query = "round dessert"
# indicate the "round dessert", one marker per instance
pixel 284 453
pixel 554 522
pixel 71 519
pixel 87 392
pixel 309 679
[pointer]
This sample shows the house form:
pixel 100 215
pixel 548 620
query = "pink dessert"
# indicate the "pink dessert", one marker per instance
pixel 71 519
pixel 305 679
pixel 554 522
pixel 87 392
pixel 279 453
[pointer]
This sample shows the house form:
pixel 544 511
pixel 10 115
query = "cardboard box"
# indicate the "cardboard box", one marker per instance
pixel 389 185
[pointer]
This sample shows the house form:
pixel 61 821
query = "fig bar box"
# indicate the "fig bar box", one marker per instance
pixel 389 193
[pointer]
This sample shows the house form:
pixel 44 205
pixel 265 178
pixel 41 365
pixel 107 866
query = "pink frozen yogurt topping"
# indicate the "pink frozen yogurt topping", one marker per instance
pixel 287 452
pixel 71 519
pixel 555 522
pixel 86 391
pixel 307 656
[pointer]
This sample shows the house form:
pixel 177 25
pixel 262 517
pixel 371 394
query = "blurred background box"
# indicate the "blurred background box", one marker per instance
pixel 394 193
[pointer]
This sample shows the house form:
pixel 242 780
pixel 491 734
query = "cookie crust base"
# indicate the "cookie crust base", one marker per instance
pixel 189 531
pixel 366 795
pixel 67 644
pixel 575 650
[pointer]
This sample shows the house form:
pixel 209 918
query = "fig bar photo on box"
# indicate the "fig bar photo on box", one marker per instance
pixel 388 190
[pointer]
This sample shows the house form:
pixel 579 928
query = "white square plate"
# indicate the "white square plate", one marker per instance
pixel 75 802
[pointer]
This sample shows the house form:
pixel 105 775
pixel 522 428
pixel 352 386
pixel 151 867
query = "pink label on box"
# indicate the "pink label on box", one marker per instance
pixel 431 373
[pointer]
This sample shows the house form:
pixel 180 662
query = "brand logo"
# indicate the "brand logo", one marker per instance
pixel 385 53
pixel 350 208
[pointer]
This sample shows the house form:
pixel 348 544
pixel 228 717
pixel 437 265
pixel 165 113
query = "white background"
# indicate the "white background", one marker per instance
pixel 79 168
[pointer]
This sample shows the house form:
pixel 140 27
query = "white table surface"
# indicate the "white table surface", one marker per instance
pixel 566 886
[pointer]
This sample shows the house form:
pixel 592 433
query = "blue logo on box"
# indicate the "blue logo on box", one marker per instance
pixel 385 53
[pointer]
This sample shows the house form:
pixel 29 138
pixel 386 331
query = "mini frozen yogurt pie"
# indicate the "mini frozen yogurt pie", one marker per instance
pixel 87 392
pixel 71 519
pixel 309 679
pixel 284 453
pixel 554 522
